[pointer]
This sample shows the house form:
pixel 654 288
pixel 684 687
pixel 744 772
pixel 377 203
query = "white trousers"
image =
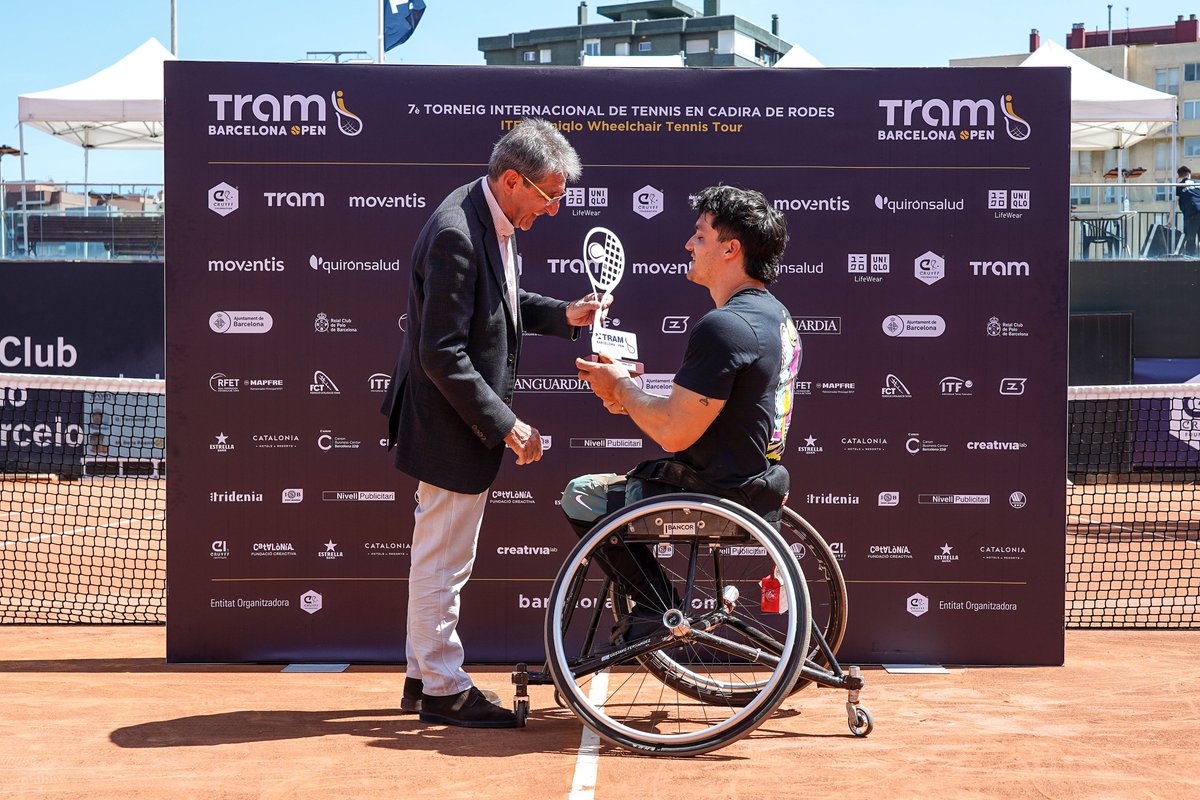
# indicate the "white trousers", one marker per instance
pixel 443 552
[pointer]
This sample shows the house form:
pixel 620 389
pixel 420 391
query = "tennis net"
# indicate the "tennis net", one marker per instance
pixel 1133 519
pixel 82 499
pixel 83 493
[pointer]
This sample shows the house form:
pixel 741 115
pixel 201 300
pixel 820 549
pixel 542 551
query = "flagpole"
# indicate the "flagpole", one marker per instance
pixel 379 8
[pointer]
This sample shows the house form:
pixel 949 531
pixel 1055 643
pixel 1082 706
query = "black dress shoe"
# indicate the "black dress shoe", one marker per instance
pixel 468 709
pixel 410 703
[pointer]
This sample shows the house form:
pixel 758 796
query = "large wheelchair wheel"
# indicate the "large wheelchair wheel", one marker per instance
pixel 704 649
pixel 828 604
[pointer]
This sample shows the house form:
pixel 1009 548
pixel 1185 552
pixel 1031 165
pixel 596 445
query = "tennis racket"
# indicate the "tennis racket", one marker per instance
pixel 603 260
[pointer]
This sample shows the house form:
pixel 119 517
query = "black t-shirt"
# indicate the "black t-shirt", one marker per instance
pixel 746 353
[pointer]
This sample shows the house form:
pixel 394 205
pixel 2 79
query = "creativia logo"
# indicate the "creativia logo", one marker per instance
pixel 648 201
pixel 310 602
pixel 675 324
pixel 917 604
pixel 929 267
pixel 223 199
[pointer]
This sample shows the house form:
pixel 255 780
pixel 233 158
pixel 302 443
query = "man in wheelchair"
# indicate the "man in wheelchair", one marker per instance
pixel 726 419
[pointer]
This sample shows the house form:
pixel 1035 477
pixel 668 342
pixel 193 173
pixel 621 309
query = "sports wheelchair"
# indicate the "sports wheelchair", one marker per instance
pixel 752 615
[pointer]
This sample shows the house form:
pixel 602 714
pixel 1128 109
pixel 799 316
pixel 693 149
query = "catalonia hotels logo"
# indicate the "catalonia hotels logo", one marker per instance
pixel 282 115
pixel 960 119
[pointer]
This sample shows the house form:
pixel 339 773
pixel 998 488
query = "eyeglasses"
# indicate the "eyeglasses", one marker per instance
pixel 549 200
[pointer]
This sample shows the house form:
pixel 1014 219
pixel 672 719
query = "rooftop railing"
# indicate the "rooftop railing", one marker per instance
pixel 64 221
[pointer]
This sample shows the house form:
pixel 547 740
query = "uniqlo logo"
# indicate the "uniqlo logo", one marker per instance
pixel 881 262
pixel 856 262
pixel 1019 199
pixel 997 198
pixel 574 196
pixel 598 198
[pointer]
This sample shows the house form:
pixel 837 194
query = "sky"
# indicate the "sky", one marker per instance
pixel 51 43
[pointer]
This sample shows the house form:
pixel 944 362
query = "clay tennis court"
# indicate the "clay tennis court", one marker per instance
pixel 93 710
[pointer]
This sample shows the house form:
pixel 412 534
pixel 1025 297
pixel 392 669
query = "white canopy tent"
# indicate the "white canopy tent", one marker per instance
pixel 798 58
pixel 120 107
pixel 1107 112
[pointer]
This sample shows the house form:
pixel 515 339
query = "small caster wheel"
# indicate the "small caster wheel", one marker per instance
pixel 863 724
pixel 521 710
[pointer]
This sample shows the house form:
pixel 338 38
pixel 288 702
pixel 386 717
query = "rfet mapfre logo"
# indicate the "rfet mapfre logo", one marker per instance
pixel 282 115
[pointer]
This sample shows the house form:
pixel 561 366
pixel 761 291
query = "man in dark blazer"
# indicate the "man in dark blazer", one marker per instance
pixel 449 405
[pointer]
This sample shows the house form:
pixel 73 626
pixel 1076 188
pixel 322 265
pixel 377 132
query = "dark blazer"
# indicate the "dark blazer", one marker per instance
pixel 449 402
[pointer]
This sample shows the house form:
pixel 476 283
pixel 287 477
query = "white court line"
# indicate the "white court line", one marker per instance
pixel 74 531
pixel 37 510
pixel 1112 525
pixel 586 765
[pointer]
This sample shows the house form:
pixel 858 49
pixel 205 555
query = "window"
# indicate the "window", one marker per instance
pixel 1110 195
pixel 1191 146
pixel 1191 72
pixel 1110 160
pixel 1191 109
pixel 591 47
pixel 1081 162
pixel 1162 155
pixel 645 47
pixel 544 55
pixel 622 48
pixel 1081 195
pixel 1167 80
pixel 1162 193
pixel 697 46
pixel 529 56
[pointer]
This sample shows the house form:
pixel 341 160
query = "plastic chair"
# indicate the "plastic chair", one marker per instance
pixel 1106 232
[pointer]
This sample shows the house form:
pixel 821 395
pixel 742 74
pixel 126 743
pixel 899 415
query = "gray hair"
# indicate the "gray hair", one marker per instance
pixel 535 148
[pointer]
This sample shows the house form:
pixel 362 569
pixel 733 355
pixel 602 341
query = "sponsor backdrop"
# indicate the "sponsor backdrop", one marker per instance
pixel 927 273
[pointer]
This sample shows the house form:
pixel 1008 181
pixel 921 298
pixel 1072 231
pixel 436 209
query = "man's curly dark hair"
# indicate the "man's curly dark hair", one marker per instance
pixel 745 215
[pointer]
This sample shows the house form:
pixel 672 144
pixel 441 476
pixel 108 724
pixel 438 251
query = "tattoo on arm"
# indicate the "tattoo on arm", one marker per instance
pixel 703 401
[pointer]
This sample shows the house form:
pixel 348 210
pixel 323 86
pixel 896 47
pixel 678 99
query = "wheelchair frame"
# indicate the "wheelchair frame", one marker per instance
pixel 722 666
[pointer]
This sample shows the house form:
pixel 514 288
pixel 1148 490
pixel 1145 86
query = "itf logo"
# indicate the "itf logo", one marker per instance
pixel 223 199
pixel 648 201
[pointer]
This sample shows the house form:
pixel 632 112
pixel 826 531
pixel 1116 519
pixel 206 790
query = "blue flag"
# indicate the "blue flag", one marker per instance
pixel 400 18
